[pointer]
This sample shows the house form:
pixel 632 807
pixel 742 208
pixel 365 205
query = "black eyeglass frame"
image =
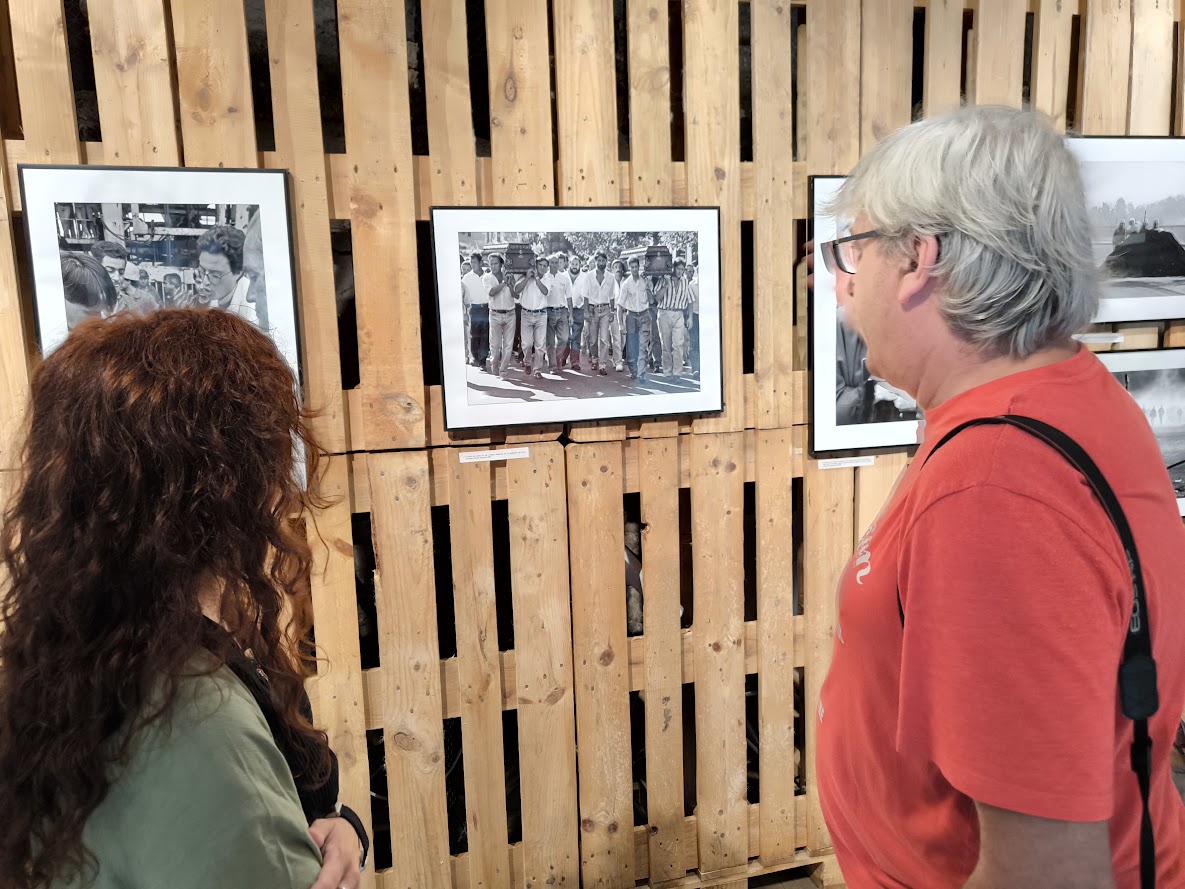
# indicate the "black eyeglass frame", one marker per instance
pixel 831 254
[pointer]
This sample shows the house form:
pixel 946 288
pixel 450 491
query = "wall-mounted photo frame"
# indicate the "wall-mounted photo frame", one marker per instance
pixel 1135 196
pixel 850 408
pixel 568 314
pixel 105 240
pixel 1156 380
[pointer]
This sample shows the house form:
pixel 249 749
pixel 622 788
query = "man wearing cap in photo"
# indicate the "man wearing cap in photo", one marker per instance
pixel 532 293
pixel 134 297
pixel 476 296
pixel 674 309
pixel 559 290
pixel 600 290
pixel 502 315
pixel 634 301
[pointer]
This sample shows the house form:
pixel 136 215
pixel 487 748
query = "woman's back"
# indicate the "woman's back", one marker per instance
pixel 205 800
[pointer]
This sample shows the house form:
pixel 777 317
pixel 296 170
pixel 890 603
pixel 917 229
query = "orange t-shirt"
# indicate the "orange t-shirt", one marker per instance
pixel 1002 688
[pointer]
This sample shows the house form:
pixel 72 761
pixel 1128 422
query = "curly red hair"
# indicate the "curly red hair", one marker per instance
pixel 158 473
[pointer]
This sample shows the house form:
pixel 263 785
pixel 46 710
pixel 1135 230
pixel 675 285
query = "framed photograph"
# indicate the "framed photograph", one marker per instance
pixel 1135 195
pixel 850 408
pixel 105 240
pixel 558 315
pixel 1156 380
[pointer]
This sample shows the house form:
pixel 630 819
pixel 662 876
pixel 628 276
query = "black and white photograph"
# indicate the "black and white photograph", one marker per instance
pixel 852 409
pixel 1135 198
pixel 103 241
pixel 567 314
pixel 1156 380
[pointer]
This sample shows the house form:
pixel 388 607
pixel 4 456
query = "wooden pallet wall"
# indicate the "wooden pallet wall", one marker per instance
pixel 820 81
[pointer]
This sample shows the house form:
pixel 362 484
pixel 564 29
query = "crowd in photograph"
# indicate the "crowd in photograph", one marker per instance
pixel 571 312
pixel 103 280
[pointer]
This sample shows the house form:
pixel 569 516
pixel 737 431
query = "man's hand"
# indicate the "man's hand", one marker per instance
pixel 341 854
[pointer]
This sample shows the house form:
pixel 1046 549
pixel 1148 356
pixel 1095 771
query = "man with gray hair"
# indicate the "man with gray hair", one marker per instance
pixel 969 732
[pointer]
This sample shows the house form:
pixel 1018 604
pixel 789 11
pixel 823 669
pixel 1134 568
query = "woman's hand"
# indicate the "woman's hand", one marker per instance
pixel 341 854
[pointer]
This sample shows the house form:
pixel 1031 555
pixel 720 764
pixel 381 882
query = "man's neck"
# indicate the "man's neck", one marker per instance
pixel 939 380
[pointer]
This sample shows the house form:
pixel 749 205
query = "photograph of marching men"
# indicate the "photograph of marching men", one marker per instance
pixel 1156 380
pixel 106 240
pixel 556 315
pixel 1135 198
pixel 850 408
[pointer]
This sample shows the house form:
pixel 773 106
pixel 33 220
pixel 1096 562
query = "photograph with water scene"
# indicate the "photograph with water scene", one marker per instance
pixel 1156 380
pixel 566 314
pixel 1135 198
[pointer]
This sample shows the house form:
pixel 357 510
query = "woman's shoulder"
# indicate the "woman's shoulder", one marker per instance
pixel 207 784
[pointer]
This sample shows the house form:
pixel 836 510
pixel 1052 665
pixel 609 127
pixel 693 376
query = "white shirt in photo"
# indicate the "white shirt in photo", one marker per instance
pixel 473 290
pixel 599 293
pixel 634 296
pixel 533 296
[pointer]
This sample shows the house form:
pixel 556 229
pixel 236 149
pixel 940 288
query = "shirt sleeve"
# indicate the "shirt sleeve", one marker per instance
pixel 1013 633
pixel 215 805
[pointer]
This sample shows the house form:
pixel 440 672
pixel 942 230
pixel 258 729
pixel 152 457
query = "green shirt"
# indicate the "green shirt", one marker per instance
pixel 206 800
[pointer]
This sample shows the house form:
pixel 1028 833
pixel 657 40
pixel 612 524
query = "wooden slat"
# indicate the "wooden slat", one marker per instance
pixel 520 104
pixel 340 173
pixel 42 63
pixel 459 864
pixel 586 122
pixel 711 61
pixel 1138 335
pixel 14 367
pixel 999 52
pixel 1106 64
pixel 214 84
pixel 373 43
pixel 775 644
pixel 833 139
pixel 1052 32
pixel 134 81
pixel 296 113
pixel 717 520
pixel 1151 104
pixel 650 174
pixel 874 484
pixel 599 655
pixel 828 543
pixel 452 168
pixel 543 648
pixel 886 66
pixel 944 56
pixel 659 463
pixel 478 671
pixel 413 731
pixel 337 694
pixel 773 365
pixel 802 79
pixel 638 664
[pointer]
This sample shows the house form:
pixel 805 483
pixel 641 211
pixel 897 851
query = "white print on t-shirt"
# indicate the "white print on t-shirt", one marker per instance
pixel 862 563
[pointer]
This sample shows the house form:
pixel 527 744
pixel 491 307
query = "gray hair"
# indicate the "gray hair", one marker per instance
pixel 1003 194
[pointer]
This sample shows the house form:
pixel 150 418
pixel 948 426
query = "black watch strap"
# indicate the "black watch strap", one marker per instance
pixel 355 822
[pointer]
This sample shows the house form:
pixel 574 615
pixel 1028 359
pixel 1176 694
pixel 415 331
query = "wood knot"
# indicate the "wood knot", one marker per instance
pixel 720 173
pixel 587 825
pixel 606 657
pixel 613 827
pixel 730 466
pixel 510 88
pixel 715 646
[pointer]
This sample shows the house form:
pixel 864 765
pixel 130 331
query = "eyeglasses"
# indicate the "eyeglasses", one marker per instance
pixel 840 254
pixel 214 277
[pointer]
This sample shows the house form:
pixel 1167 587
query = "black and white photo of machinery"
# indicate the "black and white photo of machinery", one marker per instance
pixel 1135 198
pixel 1156 380
pixel 567 314
pixel 104 240
pixel 850 408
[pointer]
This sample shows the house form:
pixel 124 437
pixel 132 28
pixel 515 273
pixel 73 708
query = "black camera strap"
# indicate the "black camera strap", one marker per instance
pixel 1137 670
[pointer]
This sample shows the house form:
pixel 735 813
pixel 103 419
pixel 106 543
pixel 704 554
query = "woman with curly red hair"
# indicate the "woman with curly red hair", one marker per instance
pixel 154 618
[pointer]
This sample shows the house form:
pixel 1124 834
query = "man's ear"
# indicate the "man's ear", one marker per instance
pixel 919 268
